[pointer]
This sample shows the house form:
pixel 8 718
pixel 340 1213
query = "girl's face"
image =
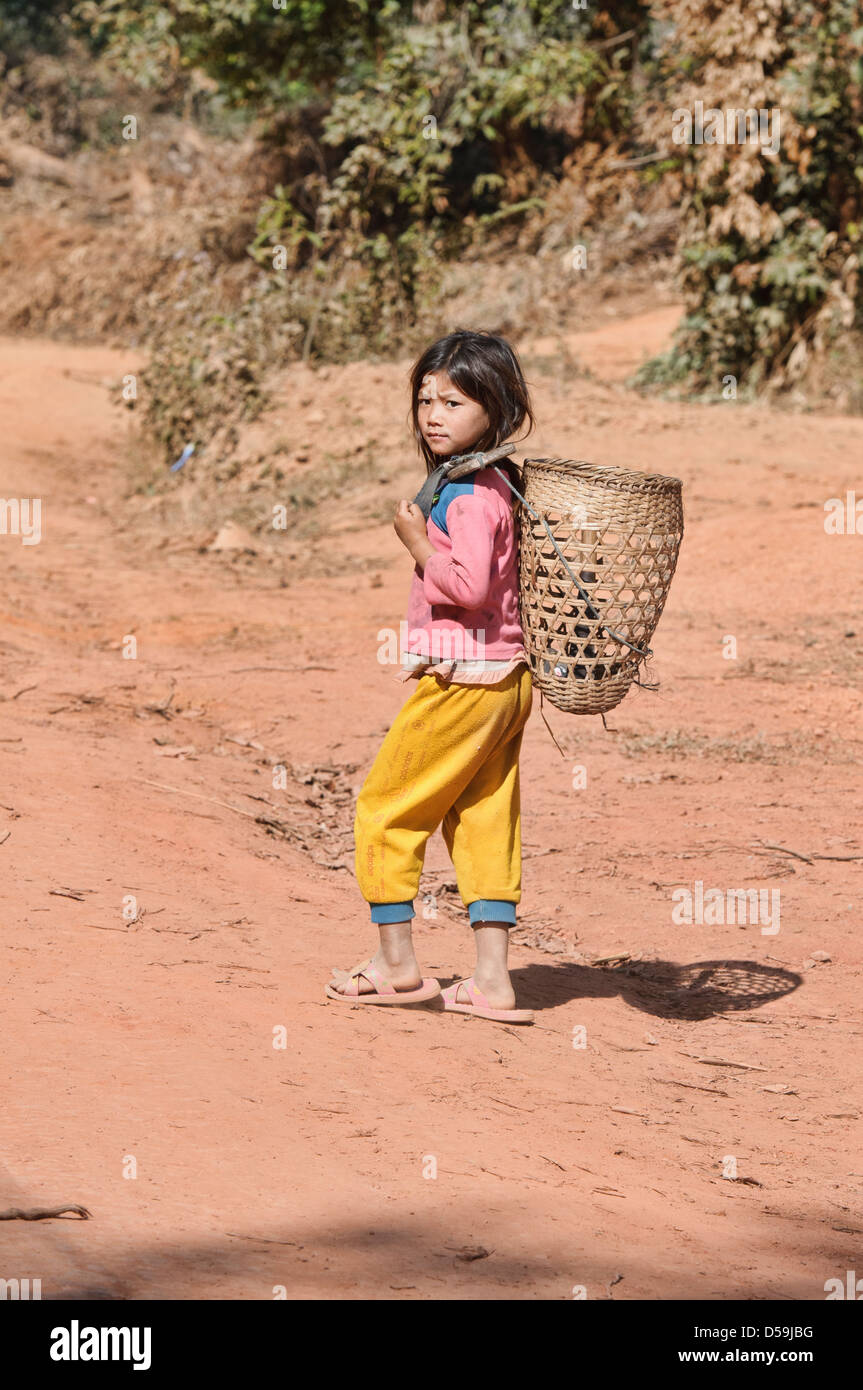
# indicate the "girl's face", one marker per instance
pixel 450 422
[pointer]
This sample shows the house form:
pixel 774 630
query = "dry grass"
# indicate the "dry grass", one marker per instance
pixel 757 748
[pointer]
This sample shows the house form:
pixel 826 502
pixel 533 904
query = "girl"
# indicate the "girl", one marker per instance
pixel 451 757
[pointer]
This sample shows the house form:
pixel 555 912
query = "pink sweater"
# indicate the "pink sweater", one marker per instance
pixel 465 603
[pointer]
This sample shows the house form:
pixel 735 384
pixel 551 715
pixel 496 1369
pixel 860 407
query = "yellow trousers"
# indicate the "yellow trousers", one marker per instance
pixel 450 759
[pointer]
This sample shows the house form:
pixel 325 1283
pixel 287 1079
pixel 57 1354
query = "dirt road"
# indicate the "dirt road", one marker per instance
pixel 169 1058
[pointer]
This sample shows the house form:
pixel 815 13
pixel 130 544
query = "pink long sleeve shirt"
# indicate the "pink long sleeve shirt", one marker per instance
pixel 462 618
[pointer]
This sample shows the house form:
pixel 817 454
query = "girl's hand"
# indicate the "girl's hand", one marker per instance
pixel 410 523
pixel 410 527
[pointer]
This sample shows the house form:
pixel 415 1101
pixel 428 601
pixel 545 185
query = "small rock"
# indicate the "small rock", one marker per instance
pixel 821 956
pixel 233 537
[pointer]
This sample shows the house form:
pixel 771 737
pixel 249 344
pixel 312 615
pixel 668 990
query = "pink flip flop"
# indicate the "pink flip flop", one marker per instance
pixel 385 992
pixel 480 1006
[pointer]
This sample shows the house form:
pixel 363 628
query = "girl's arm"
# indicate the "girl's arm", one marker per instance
pixel 411 530
pixel 464 577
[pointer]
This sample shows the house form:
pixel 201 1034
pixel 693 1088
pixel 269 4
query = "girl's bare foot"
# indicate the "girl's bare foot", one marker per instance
pixel 394 959
pixel 496 987
pixel 491 974
pixel 402 976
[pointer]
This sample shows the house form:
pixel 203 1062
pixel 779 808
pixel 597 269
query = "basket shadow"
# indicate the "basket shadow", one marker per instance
pixel 700 990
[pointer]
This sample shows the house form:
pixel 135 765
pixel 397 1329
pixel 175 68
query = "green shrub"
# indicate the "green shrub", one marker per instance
pixel 770 244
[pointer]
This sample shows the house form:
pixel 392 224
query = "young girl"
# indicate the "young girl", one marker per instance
pixel 451 757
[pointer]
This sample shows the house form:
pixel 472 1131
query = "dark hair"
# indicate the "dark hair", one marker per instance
pixel 486 369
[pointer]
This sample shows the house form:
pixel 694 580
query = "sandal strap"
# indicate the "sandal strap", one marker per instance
pixel 475 995
pixel 380 982
pixel 372 974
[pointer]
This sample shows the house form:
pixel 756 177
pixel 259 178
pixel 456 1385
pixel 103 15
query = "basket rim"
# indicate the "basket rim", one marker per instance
pixel 606 474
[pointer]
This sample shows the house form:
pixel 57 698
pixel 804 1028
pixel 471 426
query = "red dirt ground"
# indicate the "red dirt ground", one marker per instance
pixel 151 1042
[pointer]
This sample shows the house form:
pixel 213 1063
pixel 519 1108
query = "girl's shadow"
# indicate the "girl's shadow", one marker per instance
pixel 701 990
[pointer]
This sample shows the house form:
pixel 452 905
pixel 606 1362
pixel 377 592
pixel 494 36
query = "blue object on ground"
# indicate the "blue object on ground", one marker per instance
pixel 184 458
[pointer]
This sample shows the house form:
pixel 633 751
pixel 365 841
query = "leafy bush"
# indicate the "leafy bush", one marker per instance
pixel 412 135
pixel 430 131
pixel 451 132
pixel 259 55
pixel 29 24
pixel 770 245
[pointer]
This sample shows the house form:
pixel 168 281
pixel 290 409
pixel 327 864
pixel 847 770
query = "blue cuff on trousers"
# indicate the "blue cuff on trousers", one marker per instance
pixel 392 912
pixel 492 910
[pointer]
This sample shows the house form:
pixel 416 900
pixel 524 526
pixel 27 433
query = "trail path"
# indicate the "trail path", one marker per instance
pixel 147 1046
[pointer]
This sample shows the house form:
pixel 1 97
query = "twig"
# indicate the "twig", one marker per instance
pixel 808 858
pixel 722 1062
pixel 42 1213
pixel 636 164
pixel 795 854
pixel 164 708
pixel 509 1177
pixel 618 38
pixel 182 791
pixel 265 1240
pixel 236 670
pixel 22 691
pixel 550 729
pixel 840 858
pixel 690 1086
pixel 524 1109
pixel 312 329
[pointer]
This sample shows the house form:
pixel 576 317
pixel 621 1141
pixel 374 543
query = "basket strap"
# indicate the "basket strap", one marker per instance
pixel 547 725
pixel 457 467
pixel 425 497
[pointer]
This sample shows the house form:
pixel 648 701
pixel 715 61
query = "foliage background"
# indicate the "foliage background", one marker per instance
pixel 405 142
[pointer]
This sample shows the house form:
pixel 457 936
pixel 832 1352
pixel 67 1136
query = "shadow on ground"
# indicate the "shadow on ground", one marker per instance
pixel 703 989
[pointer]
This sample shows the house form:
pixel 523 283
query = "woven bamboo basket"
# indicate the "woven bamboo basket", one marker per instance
pixel 620 533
